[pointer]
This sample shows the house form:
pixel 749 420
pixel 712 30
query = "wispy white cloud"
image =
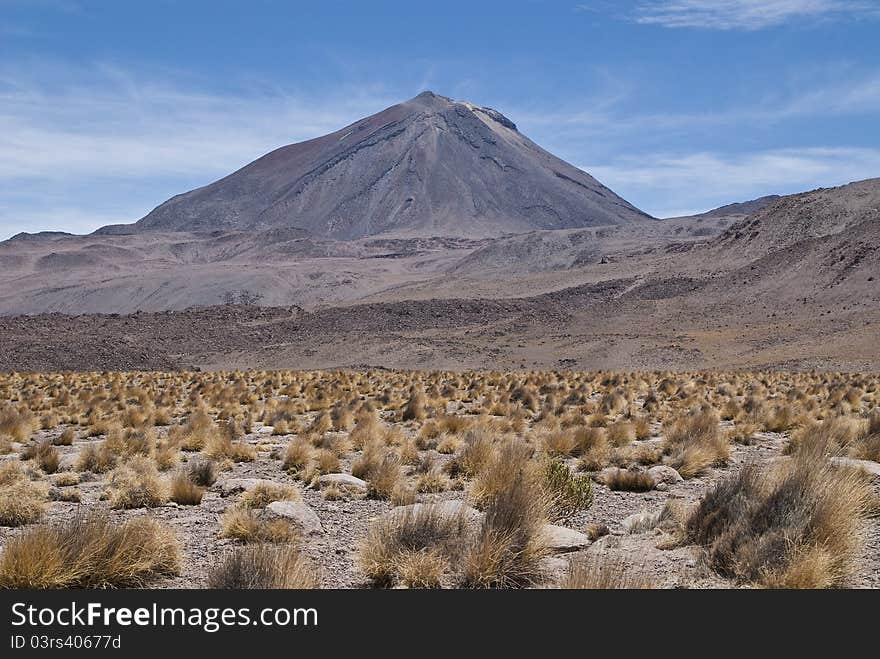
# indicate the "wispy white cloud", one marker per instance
pixel 107 146
pixel 848 95
pixel 748 14
pixel 127 127
pixel 706 180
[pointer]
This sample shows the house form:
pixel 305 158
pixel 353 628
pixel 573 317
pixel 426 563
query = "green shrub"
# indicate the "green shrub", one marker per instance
pixel 569 493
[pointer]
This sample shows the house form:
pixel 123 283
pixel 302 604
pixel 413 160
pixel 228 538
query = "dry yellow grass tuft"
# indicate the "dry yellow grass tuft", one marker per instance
pixel 184 491
pixel 66 438
pixel 44 454
pixel 16 424
pixel 244 525
pixel 90 552
pixel 95 458
pixel 629 481
pixel 387 552
pixel 21 500
pixel 222 446
pixel 202 472
pixel 695 443
pixel 415 407
pixel 509 546
pixel 621 433
pixel 485 436
pixel 265 493
pixel 136 484
pixel 797 525
pixel 421 569
pixel 263 567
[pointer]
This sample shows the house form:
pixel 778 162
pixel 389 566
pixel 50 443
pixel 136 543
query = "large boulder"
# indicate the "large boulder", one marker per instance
pixel 298 513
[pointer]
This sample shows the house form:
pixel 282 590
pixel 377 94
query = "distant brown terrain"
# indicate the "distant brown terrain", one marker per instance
pixel 793 286
pixel 504 257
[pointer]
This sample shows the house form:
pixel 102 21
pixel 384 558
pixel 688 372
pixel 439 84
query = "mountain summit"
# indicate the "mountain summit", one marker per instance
pixel 430 166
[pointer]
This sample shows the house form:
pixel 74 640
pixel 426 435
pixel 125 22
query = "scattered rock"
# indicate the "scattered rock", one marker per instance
pixel 447 510
pixel 236 485
pixel 640 522
pixel 299 513
pixel 344 482
pixel 554 568
pixel 665 474
pixel 68 462
pixel 868 466
pixel 561 539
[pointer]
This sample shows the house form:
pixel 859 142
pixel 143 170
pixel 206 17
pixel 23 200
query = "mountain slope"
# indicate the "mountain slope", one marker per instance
pixel 742 208
pixel 816 251
pixel 429 166
pixel 823 213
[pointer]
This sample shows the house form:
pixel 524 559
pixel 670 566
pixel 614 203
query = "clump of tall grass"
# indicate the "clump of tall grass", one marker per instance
pixel 90 552
pixel 797 524
pixel 263 567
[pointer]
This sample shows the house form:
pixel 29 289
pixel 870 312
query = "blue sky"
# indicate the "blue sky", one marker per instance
pixel 108 108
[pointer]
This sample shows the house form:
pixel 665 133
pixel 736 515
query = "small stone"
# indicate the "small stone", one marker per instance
pixel 343 482
pixel 299 513
pixel 447 510
pixel 561 539
pixel 236 485
pixel 640 522
pixel 68 462
pixel 868 466
pixel 665 474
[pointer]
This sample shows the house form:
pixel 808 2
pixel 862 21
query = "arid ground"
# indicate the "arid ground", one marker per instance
pixel 353 479
pixel 795 285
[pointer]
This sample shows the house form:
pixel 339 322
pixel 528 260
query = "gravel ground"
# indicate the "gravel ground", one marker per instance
pixel 345 522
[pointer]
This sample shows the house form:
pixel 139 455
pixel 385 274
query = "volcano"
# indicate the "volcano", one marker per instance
pixel 428 167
